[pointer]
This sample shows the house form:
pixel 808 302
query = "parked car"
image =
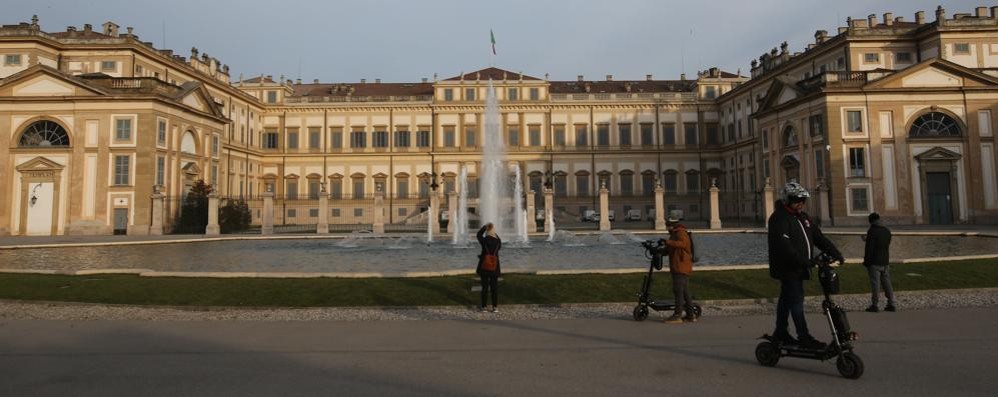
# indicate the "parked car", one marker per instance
pixel 651 215
pixel 610 217
pixel 632 215
pixel 590 216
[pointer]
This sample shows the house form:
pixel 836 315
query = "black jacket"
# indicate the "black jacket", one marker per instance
pixel 878 246
pixel 791 241
pixel 492 245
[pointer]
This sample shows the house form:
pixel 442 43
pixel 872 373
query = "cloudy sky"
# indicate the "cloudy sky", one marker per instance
pixel 405 40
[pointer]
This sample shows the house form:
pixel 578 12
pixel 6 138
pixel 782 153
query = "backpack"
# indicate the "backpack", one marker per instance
pixel 693 247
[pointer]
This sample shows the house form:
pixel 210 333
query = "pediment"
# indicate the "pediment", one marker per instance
pixel 197 97
pixel 931 77
pixel 39 164
pixel 779 92
pixel 938 154
pixel 40 80
pixel 786 96
pixel 935 73
pixel 191 169
pixel 194 102
pixel 789 162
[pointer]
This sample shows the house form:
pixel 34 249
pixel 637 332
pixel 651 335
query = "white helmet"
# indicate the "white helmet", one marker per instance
pixel 793 192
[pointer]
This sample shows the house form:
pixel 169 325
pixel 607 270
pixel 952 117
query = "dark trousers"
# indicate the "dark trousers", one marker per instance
pixel 881 275
pixel 791 304
pixel 490 283
pixel 681 290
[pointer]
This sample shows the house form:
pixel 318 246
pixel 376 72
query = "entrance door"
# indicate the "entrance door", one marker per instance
pixel 940 198
pixel 120 220
pixel 40 202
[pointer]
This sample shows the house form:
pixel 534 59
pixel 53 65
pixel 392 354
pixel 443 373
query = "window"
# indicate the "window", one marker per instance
pixel 934 124
pixel 403 211
pixel 902 57
pixel 470 136
pixel 582 185
pixel 819 163
pixel 314 138
pixel 669 181
pixel 513 133
pixel 840 63
pixel 358 139
pixel 271 96
pixel 647 135
pixel 648 184
pixel 448 94
pixel 668 133
pixel 514 94
pixel 871 57
pixel 214 174
pixel 335 212
pixel 817 125
pixel 108 66
pixel 469 94
pixel 138 70
pixel 214 145
pixel 422 139
pixel 624 132
pixel 860 202
pixel 603 134
pixel 291 189
pixel 313 189
pixel 560 185
pixel 535 94
pixel 336 188
pixel 534 131
pixel 270 140
pixel 449 137
pixel 581 134
pixel 292 138
pixel 559 135
pixel 854 121
pixel 336 137
pixel 789 137
pixel 358 188
pixel 12 60
pixel 121 170
pixel 402 188
pixel 857 162
pixel 710 92
pixel 961 48
pixel 44 133
pixel 713 137
pixel 402 138
pixel 161 132
pixel 358 212
pixel 160 170
pixel 690 131
pixel 626 184
pixel 379 139
pixel 731 131
pixel 123 129
pixel 424 187
pixel 692 182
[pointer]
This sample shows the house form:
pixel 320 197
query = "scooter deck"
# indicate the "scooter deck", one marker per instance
pixel 795 350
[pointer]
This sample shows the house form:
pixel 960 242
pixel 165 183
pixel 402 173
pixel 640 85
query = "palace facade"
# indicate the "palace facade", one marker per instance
pixel 887 115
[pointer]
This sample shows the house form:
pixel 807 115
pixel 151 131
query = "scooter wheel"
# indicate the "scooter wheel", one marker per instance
pixel 850 366
pixel 697 311
pixel 640 312
pixel 767 354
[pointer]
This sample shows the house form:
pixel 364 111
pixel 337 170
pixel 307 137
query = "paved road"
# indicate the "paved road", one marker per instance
pixel 941 352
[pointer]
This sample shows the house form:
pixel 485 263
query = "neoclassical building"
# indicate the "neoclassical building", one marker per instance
pixel 888 116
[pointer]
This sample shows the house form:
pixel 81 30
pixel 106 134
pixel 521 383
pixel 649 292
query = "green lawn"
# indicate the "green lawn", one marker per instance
pixel 456 290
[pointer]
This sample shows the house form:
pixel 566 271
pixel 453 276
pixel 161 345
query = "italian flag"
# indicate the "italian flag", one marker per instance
pixel 493 37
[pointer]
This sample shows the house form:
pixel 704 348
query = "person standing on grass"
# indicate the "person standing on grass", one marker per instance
pixel 488 265
pixel 680 254
pixel 876 258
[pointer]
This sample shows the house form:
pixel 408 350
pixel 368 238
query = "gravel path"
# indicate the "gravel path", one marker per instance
pixel 10 310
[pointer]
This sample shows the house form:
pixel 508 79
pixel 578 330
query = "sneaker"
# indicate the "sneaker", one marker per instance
pixel 495 309
pixel 890 308
pixel 874 309
pixel 481 309
pixel 674 319
pixel 689 319
pixel 784 339
pixel 808 342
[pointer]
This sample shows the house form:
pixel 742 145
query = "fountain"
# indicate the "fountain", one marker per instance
pixel 492 184
pixel 460 237
pixel 429 222
pixel 519 213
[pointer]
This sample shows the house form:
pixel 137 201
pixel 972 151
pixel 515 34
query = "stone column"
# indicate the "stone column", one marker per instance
pixel 267 220
pixel 212 229
pixel 379 212
pixel 156 228
pixel 768 200
pixel 826 213
pixel 531 213
pixel 715 205
pixel 451 212
pixel 604 208
pixel 323 226
pixel 659 206
pixel 548 210
pixel 435 212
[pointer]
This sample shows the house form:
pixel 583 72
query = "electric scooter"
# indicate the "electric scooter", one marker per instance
pixel 653 251
pixel 769 351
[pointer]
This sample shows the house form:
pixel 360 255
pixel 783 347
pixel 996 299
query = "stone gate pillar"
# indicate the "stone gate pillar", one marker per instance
pixel 451 212
pixel 768 201
pixel 323 226
pixel 212 229
pixel 604 208
pixel 267 220
pixel 548 210
pixel 156 228
pixel 715 205
pixel 379 212
pixel 826 213
pixel 531 213
pixel 659 206
pixel 434 217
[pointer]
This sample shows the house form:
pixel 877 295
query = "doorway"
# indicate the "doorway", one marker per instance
pixel 120 221
pixel 940 198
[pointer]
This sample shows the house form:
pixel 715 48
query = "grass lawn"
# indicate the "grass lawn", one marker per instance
pixel 456 290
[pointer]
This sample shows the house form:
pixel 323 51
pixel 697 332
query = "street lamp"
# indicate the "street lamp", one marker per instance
pixel 433 181
pixel 547 179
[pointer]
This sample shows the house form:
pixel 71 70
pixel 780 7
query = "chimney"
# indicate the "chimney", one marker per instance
pixel 872 20
pixel 888 18
pixel 377 81
pixel 609 77
pixel 298 81
pixel 580 77
pixel 682 76
pixel 424 79
pixel 648 77
pixel 898 19
pixel 940 15
pixel 130 30
pixel 111 29
pixel 315 81
pixel 994 12
pixel 920 17
pixel 820 36
pixel 843 29
pixel 269 77
pixel 363 81
pixel 87 28
pixel 981 12
pixel 71 29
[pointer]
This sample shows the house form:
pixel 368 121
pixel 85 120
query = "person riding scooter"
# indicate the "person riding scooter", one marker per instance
pixel 792 237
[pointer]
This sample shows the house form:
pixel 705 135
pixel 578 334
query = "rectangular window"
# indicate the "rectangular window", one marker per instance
pixel 358 188
pixel 403 211
pixel 840 63
pixel 292 138
pixel 857 162
pixel 314 138
pixel 12 60
pixel 121 170
pixel 424 188
pixel 710 92
pixel 336 189
pixel 582 185
pixel 560 186
pixel 603 135
pixel 819 163
pixel 469 94
pixel 358 212
pixel 470 136
pixel 627 185
pixel 859 199
pixel 648 184
pixel 422 139
pixel 961 48
pixel 513 132
pixel 358 139
pixel 449 137
pixel 692 183
pixel 624 134
pixel 670 181
pixel 291 189
pixel 160 170
pixel 313 190
pixel 271 96
pixel 270 140
pixel 534 131
pixel 108 66
pixel 871 57
pixel 336 137
pixel 690 130
pixel 669 133
pixel 817 125
pixel 161 132
pixel 214 174
pixel 903 57
pixel 514 94
pixel 581 135
pixel 379 139
pixel 214 145
pixel 713 136
pixel 854 121
pixel 402 138
pixel 335 212
pixel 535 94
pixel 402 188
pixel 313 212
pixel 647 135
pixel 559 135
pixel 448 94
pixel 123 129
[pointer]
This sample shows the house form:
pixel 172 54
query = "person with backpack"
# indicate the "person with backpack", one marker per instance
pixel 679 247
pixel 876 258
pixel 488 265
pixel 792 238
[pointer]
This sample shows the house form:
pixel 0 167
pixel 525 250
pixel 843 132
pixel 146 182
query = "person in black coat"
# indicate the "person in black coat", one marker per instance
pixel 876 258
pixel 792 237
pixel 491 243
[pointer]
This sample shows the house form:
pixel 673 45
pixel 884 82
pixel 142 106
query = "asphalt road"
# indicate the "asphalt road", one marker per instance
pixel 930 353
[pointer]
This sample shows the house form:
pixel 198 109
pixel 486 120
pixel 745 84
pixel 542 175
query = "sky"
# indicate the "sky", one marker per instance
pixel 404 41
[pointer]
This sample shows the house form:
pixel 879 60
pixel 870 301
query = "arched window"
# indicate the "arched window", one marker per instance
pixel 789 137
pixel 44 133
pixel 934 124
pixel 188 143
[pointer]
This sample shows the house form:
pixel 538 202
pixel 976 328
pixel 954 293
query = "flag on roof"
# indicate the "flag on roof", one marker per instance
pixel 493 37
